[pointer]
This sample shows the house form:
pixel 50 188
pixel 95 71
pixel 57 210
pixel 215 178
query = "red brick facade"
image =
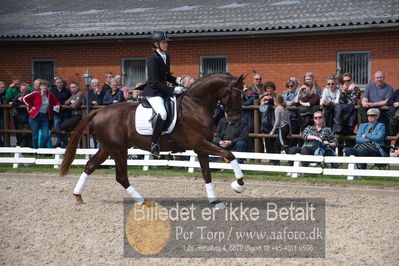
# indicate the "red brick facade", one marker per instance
pixel 276 58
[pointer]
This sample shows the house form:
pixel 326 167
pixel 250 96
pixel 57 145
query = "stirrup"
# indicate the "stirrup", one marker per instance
pixel 155 149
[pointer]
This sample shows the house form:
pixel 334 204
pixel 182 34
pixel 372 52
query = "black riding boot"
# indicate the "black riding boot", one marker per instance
pixel 156 135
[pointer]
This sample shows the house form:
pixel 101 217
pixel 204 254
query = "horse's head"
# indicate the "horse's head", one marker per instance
pixel 231 98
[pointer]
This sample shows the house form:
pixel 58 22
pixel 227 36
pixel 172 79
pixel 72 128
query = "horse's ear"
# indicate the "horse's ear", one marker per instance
pixel 240 80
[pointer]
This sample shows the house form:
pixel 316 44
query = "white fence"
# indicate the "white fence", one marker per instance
pixel 28 156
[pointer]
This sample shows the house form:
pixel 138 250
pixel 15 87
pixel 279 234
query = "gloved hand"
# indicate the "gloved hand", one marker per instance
pixel 180 89
pixel 179 81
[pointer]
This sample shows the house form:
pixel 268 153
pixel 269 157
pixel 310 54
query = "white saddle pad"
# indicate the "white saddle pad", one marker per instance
pixel 143 116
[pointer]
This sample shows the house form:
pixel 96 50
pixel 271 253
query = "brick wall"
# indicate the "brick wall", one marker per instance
pixel 276 58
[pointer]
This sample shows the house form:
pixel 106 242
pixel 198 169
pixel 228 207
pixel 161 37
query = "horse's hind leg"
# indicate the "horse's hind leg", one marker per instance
pixel 91 165
pixel 120 158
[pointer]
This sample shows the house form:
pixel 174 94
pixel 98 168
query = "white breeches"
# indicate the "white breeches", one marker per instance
pixel 158 104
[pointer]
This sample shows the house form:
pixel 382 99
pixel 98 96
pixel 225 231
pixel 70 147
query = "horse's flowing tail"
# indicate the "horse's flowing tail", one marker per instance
pixel 70 151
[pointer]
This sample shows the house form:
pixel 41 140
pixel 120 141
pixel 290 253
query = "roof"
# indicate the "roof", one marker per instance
pixel 51 19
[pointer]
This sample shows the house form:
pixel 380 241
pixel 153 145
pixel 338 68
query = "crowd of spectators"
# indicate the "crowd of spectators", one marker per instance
pixel 57 107
pixel 316 114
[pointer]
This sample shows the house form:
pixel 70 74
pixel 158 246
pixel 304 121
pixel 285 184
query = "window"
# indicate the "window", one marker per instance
pixel 357 63
pixel 211 64
pixel 134 71
pixel 43 69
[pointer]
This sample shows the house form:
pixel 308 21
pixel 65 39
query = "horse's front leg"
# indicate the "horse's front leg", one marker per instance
pixel 209 186
pixel 208 148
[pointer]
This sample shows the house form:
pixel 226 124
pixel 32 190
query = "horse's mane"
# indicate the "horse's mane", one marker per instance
pixel 208 76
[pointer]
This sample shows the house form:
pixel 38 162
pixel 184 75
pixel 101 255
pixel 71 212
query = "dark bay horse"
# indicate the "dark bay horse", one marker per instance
pixel 114 126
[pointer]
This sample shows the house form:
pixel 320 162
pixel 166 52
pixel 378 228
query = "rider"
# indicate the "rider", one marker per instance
pixel 156 90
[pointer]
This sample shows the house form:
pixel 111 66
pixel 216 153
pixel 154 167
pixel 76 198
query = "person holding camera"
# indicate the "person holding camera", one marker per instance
pixel 317 137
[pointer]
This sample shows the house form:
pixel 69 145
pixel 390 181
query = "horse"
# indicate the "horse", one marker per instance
pixel 114 127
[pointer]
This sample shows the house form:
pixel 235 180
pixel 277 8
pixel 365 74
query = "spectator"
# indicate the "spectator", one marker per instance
pixel 186 82
pixel 281 125
pixel 123 88
pixel 345 113
pixel 257 85
pixel 13 89
pixel 316 137
pixel 248 98
pixel 369 138
pixel 377 94
pixel 21 116
pixel 339 79
pixel 107 85
pixel 75 101
pixel 36 85
pixel 309 78
pixel 2 98
pixel 267 117
pixel 232 135
pixel 95 94
pixel 41 104
pixel 329 99
pixel 114 95
pixel 393 113
pixel 62 94
pixel 289 97
pixel 308 104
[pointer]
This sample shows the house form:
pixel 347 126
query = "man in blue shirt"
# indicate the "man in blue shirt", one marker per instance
pixel 377 94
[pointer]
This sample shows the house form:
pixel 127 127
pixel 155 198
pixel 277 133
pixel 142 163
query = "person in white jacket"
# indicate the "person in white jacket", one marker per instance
pixel 329 99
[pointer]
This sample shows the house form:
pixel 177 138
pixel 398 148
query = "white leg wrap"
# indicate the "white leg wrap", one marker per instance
pixel 237 187
pixel 237 170
pixel 210 191
pixel 137 196
pixel 81 184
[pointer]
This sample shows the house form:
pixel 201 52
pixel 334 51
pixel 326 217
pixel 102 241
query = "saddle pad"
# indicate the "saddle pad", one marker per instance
pixel 143 116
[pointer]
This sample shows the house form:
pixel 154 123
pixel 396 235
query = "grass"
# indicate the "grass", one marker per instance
pixel 226 174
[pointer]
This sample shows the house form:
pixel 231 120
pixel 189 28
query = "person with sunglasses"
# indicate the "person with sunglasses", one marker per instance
pixel 329 99
pixel 289 97
pixel 369 138
pixel 257 85
pixel 345 114
pixel 317 137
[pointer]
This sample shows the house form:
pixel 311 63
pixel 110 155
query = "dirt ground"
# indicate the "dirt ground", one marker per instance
pixel 41 224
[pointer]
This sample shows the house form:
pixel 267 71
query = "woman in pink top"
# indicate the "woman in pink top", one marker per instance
pixel 41 105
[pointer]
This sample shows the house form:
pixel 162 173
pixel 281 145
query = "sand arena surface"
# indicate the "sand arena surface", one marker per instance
pixel 41 224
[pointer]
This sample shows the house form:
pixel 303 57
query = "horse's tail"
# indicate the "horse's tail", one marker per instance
pixel 70 151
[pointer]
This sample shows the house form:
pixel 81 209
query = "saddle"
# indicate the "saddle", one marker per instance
pixel 145 115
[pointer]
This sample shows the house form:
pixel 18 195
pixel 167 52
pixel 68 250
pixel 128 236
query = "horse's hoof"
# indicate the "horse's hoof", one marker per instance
pixel 140 201
pixel 237 187
pixel 218 205
pixel 79 199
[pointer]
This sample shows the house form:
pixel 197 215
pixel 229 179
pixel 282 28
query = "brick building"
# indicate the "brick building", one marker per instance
pixel 280 39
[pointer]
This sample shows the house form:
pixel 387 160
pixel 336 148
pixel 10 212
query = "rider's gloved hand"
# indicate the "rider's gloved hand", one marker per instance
pixel 180 89
pixel 179 81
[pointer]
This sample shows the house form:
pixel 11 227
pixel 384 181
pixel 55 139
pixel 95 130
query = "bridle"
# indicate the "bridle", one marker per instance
pixel 228 93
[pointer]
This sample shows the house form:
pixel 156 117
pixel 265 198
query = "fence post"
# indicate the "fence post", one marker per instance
pixel 6 118
pixel 17 154
pixel 296 164
pixel 147 157
pixel 193 158
pixel 257 140
pixel 351 166
pixel 57 157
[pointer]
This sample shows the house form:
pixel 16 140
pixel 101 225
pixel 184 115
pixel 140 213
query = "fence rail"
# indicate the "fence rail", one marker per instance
pixel 26 156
